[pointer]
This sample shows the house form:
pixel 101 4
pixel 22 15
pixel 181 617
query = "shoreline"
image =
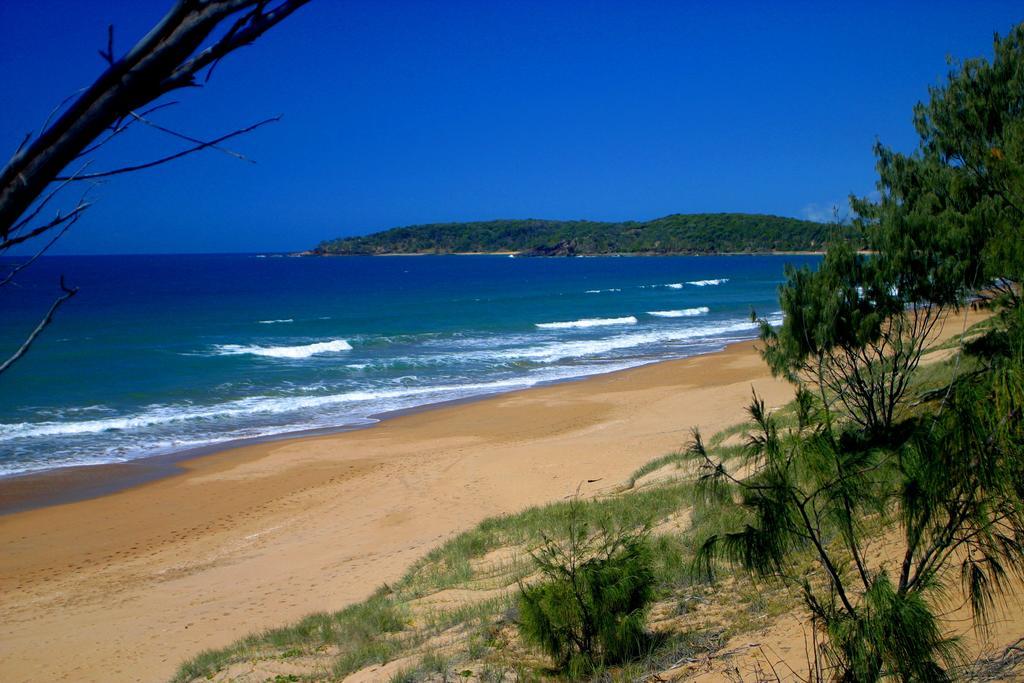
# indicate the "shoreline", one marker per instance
pixel 34 489
pixel 24 491
pixel 127 585
pixel 527 254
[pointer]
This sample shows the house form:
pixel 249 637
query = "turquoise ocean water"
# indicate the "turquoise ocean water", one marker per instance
pixel 161 353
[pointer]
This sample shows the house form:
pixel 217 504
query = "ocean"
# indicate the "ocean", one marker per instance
pixel 167 352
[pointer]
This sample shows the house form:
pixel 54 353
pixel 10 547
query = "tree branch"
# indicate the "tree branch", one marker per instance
pixel 58 220
pixel 22 266
pixel 68 292
pixel 163 160
pixel 163 129
pixel 163 60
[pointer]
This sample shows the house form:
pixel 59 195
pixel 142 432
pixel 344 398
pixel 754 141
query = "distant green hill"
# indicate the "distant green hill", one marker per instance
pixel 702 233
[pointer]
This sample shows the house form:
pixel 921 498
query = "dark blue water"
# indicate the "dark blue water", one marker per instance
pixel 158 353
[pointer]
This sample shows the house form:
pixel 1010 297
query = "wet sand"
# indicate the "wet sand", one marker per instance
pixel 125 586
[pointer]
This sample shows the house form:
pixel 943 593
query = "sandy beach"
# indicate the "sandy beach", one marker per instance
pixel 125 586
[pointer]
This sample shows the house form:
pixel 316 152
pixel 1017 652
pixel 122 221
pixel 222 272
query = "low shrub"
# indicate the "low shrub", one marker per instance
pixel 590 608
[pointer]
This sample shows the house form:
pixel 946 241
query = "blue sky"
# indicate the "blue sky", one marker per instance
pixel 413 112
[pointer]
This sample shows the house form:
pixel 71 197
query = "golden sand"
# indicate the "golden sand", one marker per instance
pixel 126 586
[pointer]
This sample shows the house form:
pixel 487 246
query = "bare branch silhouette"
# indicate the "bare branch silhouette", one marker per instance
pixel 68 292
pixel 164 60
pixel 211 144
pixel 171 56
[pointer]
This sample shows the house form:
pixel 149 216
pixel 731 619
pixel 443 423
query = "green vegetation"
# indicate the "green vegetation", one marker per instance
pixel 676 234
pixel 945 473
pixel 855 330
pixel 875 447
pixel 421 634
pixel 590 609
pixel 487 563
pixel 403 624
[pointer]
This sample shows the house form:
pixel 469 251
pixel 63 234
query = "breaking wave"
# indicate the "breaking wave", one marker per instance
pixel 301 351
pixel 681 313
pixel 588 322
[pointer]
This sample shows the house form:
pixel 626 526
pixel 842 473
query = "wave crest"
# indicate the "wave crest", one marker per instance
pixel 681 313
pixel 300 351
pixel 587 322
pixel 708 283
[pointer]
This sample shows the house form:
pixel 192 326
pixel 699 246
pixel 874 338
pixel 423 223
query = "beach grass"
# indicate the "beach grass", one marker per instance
pixel 415 622
pixel 452 614
pixel 391 624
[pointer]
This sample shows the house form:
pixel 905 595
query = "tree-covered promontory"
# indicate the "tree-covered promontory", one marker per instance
pixel 703 233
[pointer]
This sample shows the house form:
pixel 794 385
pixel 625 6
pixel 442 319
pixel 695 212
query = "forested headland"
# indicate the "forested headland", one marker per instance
pixel 700 233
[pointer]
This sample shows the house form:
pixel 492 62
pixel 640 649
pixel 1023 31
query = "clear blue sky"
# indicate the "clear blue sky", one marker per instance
pixel 413 112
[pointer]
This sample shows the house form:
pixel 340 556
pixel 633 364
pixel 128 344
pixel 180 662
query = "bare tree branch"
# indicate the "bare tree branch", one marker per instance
pixel 169 57
pixel 163 160
pixel 68 292
pixel 60 105
pixel 24 141
pixel 121 126
pixel 42 204
pixel 164 60
pixel 163 129
pixel 243 32
pixel 60 219
pixel 22 266
pixel 109 54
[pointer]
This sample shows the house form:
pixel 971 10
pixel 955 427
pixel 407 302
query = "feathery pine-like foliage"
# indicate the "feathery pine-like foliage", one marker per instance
pixel 951 214
pixel 951 482
pixel 854 332
pixel 590 608
pixel 675 234
pixel 950 479
pixel 948 225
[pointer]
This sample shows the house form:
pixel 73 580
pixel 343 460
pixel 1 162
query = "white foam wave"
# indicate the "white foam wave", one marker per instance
pixel 553 352
pixel 508 350
pixel 675 285
pixel 167 427
pixel 258 405
pixel 681 313
pixel 301 351
pixel 274 322
pixel 600 291
pixel 588 322
pixel 708 283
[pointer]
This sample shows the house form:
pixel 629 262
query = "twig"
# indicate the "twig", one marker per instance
pixel 120 128
pixel 58 220
pixel 68 292
pixel 22 266
pixel 108 56
pixel 189 138
pixel 172 157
